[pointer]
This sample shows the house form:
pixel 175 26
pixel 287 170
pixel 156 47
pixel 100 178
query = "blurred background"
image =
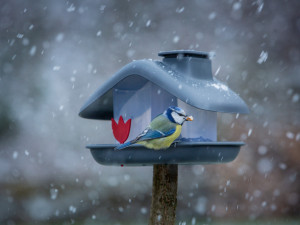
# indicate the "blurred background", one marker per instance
pixel 55 54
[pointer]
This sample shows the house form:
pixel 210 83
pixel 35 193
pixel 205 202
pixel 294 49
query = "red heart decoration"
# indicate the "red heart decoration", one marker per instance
pixel 121 131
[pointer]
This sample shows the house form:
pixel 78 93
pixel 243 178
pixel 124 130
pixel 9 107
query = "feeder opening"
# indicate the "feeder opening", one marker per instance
pixel 184 53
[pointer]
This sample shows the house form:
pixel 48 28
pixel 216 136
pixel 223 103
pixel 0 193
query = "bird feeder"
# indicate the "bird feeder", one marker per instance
pixel 143 89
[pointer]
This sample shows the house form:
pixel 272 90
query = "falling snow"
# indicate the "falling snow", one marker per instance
pixel 180 10
pixel 212 15
pixel 264 165
pixel 295 98
pixel 56 68
pixel 217 71
pixel 71 8
pixel 72 209
pixel 148 23
pixel 144 210
pixel 201 205
pixel 25 41
pixel 99 32
pixel 20 36
pixel 159 217
pixel 260 6
pixel 60 37
pixel 176 39
pixel 237 6
pixel 290 135
pixel 262 150
pixel 262 57
pixel 15 155
pixel 130 53
pixel 282 166
pixel 53 193
pixel 193 221
pixel 249 132
pixel 213 208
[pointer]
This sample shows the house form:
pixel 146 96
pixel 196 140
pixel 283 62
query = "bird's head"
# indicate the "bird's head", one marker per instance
pixel 177 115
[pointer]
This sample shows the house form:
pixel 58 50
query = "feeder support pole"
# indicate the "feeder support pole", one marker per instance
pixel 164 195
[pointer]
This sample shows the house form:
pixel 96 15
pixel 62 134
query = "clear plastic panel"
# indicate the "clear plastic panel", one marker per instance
pixel 202 128
pixel 141 105
pixel 150 100
pixel 135 105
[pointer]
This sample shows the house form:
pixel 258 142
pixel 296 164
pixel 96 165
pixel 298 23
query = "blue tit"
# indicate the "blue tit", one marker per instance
pixel 162 131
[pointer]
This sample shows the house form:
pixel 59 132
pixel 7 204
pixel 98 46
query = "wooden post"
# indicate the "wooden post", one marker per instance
pixel 164 195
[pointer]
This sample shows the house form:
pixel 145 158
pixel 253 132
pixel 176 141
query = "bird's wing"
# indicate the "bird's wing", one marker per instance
pixel 150 134
pixel 159 127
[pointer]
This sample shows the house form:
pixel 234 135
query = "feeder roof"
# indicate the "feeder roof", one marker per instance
pixel 203 92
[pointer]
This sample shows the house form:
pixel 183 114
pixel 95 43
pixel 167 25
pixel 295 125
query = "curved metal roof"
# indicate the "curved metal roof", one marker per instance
pixel 207 94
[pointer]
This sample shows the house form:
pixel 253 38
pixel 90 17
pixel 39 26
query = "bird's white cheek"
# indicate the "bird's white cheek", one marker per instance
pixel 178 119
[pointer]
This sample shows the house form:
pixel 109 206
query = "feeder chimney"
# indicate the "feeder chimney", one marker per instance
pixel 191 64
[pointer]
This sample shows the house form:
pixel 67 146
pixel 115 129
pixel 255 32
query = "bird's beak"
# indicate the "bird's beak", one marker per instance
pixel 189 118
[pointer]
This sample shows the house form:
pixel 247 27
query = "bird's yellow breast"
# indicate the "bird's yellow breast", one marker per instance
pixel 162 143
pixel 169 140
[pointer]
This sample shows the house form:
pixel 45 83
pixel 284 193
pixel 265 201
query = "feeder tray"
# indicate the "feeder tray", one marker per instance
pixel 177 153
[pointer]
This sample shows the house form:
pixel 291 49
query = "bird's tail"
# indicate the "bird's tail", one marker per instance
pixel 125 145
